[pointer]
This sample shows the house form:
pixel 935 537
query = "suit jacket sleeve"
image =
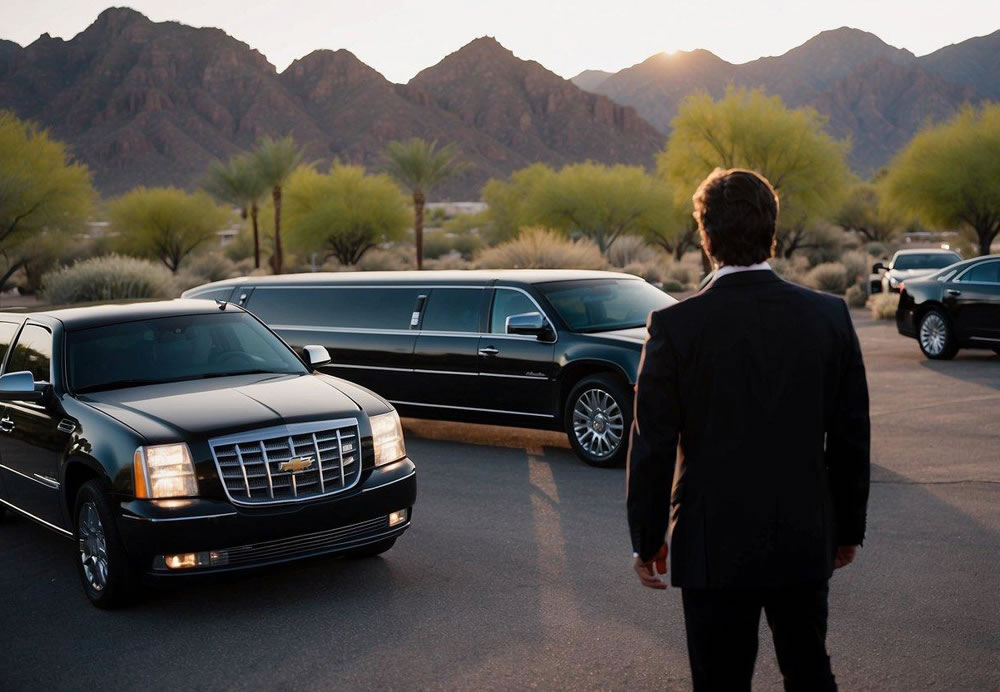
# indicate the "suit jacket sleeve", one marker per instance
pixel 653 444
pixel 848 444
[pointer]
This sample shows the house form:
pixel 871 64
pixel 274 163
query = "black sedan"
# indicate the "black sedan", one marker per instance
pixel 957 307
pixel 182 437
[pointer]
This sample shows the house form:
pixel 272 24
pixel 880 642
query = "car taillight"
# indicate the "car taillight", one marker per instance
pixel 902 287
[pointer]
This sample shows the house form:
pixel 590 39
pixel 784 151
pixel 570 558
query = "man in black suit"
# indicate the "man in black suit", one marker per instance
pixel 749 454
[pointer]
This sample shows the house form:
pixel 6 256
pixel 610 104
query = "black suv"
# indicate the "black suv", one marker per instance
pixel 183 437
pixel 550 349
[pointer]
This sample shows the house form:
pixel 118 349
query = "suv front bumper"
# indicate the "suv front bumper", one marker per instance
pixel 268 534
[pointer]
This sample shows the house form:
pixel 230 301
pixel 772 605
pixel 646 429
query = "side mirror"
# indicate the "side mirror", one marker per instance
pixel 878 267
pixel 19 386
pixel 316 356
pixel 528 323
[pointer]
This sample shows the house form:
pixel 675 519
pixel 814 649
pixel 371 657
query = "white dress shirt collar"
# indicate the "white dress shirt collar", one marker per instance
pixel 733 269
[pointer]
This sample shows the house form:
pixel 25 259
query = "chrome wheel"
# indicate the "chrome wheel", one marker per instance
pixel 933 334
pixel 93 547
pixel 598 422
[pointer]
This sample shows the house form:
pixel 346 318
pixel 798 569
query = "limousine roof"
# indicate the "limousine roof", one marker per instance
pixel 96 315
pixel 462 276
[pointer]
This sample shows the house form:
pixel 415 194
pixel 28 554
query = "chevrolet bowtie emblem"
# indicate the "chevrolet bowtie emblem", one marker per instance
pixel 295 465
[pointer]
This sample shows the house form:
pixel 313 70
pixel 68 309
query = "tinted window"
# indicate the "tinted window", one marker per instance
pixel 215 294
pixel 357 308
pixel 7 332
pixel 596 305
pixel 986 272
pixel 931 260
pixel 452 310
pixel 171 349
pixel 33 353
pixel 505 304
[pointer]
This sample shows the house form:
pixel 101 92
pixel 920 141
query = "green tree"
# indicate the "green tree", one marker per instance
pixel 748 129
pixel 345 213
pixel 865 212
pixel 950 174
pixel 507 202
pixel 165 223
pixel 420 166
pixel 603 203
pixel 274 161
pixel 41 191
pixel 236 182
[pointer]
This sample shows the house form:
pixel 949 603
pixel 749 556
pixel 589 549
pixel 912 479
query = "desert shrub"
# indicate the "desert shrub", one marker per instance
pixel 793 269
pixel 436 243
pixel 858 265
pixel 876 249
pixel 828 276
pixel 111 277
pixel 827 243
pixel 439 242
pixel 673 286
pixel 203 269
pixel 650 271
pixel 541 248
pixel 883 305
pixel 630 249
pixel 681 273
pixel 856 296
pixel 453 260
pixel 393 259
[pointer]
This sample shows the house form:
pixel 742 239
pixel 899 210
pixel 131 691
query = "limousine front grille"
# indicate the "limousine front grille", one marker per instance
pixel 289 463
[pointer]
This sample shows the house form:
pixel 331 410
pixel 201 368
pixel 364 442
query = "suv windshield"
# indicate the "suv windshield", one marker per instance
pixel 930 260
pixel 599 305
pixel 170 349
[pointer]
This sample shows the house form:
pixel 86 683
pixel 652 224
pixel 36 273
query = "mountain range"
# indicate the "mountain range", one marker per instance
pixel 153 103
pixel 874 93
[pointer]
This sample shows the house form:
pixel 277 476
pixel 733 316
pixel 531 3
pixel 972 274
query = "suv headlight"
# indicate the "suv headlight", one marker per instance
pixel 164 471
pixel 387 436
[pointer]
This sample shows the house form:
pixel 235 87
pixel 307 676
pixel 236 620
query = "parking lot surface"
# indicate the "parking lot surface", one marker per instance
pixel 516 574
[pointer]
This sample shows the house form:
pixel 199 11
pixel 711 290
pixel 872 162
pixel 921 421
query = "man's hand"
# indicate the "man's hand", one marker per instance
pixel 845 556
pixel 647 571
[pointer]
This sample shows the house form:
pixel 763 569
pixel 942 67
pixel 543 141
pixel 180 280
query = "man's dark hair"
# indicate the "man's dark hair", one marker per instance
pixel 736 210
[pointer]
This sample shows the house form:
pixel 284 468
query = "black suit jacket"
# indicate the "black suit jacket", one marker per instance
pixel 750 445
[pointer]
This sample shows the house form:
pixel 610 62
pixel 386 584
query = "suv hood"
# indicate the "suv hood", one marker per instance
pixel 206 408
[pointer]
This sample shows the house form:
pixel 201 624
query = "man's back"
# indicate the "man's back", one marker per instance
pixel 763 369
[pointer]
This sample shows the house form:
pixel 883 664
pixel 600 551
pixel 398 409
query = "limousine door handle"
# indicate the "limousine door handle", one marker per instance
pixel 6 425
pixel 953 292
pixel 489 351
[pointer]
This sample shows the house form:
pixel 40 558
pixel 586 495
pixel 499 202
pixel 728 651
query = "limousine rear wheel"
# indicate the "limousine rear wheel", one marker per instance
pixel 108 579
pixel 597 418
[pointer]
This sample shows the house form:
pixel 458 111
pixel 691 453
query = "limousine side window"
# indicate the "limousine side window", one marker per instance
pixel 505 304
pixel 452 310
pixel 33 353
pixel 985 273
pixel 348 308
pixel 7 332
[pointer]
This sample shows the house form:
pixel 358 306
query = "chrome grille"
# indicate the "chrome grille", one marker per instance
pixel 255 466
pixel 306 544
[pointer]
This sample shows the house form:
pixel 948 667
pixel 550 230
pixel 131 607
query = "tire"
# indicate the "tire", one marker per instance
pixel 114 583
pixel 597 419
pixel 935 336
pixel 372 549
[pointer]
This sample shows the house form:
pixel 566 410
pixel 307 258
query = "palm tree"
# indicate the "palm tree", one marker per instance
pixel 420 166
pixel 236 182
pixel 274 161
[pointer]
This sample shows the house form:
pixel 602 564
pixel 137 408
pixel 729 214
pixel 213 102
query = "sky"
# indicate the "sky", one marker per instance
pixel 401 37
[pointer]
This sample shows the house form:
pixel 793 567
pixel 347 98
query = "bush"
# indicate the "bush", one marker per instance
pixel 630 249
pixel 858 266
pixel 793 270
pixel 453 260
pixel 856 296
pixel 829 276
pixel 394 259
pixel 206 268
pixel 650 271
pixel 111 277
pixel 883 305
pixel 673 286
pixel 541 248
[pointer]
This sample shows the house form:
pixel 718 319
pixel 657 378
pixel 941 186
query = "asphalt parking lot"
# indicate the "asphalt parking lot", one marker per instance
pixel 516 574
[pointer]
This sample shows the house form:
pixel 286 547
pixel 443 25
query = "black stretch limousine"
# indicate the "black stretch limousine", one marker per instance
pixel 181 437
pixel 550 349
